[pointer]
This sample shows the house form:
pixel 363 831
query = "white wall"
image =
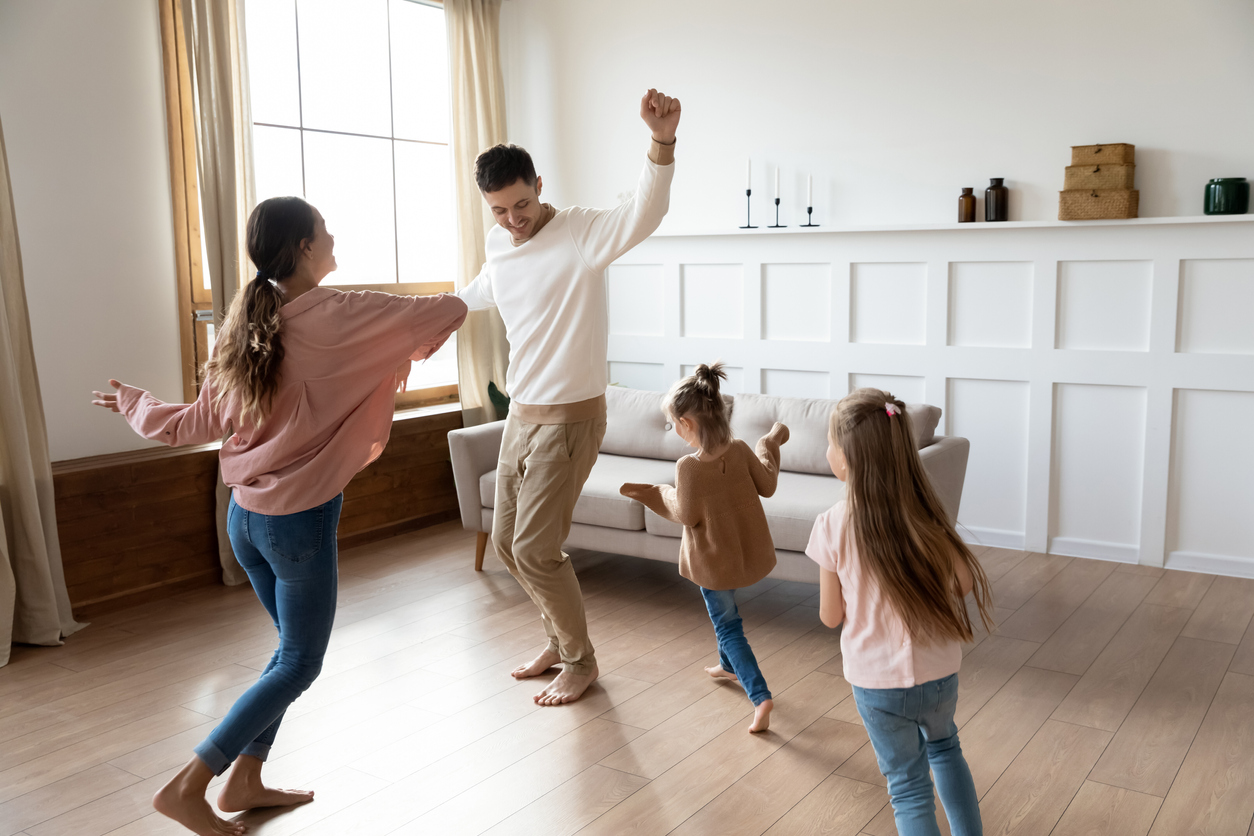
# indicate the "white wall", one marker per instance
pixel 82 104
pixel 893 106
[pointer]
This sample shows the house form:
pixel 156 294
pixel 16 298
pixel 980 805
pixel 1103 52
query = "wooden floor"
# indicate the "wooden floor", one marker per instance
pixel 1111 699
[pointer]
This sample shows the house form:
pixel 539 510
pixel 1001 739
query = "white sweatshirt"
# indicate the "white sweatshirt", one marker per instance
pixel 550 291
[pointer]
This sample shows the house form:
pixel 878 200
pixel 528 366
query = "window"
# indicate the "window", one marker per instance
pixel 350 111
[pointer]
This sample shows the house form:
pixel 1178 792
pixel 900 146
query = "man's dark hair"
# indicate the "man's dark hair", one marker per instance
pixel 503 165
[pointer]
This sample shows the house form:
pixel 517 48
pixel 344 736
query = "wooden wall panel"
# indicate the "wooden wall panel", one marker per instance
pixel 140 526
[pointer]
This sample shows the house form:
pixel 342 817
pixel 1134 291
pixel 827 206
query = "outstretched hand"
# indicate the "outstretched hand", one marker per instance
pixel 108 400
pixel 661 113
pixel 635 490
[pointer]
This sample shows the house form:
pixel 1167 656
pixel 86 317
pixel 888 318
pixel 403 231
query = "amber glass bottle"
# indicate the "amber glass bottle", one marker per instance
pixel 966 206
pixel 996 200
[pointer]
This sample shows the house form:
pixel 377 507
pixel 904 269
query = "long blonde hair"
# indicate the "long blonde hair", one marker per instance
pixel 698 399
pixel 248 354
pixel 905 541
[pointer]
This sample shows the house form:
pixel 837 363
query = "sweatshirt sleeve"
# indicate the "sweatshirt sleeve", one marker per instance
pixel 602 235
pixel 175 424
pixel 764 465
pixel 435 319
pixel 478 294
pixel 669 503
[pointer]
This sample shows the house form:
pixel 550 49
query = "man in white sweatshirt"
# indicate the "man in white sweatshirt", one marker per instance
pixel 545 274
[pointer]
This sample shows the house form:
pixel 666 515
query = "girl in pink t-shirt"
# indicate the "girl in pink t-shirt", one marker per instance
pixel 895 574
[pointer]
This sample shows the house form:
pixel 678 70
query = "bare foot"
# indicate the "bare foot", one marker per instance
pixel 762 717
pixel 567 687
pixel 718 673
pixel 540 664
pixel 190 809
pixel 240 795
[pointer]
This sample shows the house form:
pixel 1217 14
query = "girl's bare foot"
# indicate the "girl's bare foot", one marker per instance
pixel 183 800
pixel 567 687
pixel 244 789
pixel 762 717
pixel 547 659
pixel 718 673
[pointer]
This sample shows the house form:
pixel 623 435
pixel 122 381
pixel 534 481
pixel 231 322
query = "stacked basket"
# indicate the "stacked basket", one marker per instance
pixel 1098 183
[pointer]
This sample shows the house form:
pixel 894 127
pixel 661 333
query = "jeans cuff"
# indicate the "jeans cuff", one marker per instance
pixel 260 751
pixel 761 698
pixel 212 756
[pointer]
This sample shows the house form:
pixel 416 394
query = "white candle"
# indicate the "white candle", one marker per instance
pixel 777 182
pixel 810 191
pixel 749 175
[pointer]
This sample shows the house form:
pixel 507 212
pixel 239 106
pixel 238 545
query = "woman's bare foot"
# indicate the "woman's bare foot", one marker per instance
pixel 244 789
pixel 567 687
pixel 718 673
pixel 547 659
pixel 762 717
pixel 183 800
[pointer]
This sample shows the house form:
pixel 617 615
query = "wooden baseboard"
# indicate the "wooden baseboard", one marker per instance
pixel 383 532
pixel 87 610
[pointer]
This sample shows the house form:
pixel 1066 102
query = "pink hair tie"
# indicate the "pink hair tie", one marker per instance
pixel 892 408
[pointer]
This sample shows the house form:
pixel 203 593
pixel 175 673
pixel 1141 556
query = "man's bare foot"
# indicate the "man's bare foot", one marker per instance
pixel 762 717
pixel 567 687
pixel 247 793
pixel 182 803
pixel 547 659
pixel 718 673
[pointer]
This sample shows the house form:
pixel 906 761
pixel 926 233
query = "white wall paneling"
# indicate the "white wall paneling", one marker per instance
pixel 634 296
pixel 647 376
pixel 1053 347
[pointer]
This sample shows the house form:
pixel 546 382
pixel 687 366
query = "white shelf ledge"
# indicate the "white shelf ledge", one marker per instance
pixel 945 227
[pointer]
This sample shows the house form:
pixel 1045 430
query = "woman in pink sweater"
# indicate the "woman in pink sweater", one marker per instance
pixel 305 377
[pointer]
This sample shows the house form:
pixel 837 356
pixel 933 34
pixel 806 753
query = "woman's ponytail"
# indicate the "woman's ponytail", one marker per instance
pixel 248 353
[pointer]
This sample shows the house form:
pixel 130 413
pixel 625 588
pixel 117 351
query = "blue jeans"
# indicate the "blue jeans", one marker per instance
pixel 734 653
pixel 291 561
pixel 910 730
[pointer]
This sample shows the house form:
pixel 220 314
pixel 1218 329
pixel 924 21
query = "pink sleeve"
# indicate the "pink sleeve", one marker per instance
pixel 437 317
pixel 824 538
pixel 175 424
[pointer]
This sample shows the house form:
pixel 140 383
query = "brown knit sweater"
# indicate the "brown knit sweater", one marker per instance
pixel 726 543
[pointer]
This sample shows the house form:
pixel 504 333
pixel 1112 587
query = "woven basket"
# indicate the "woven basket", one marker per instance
pixel 1119 152
pixel 1100 176
pixel 1097 204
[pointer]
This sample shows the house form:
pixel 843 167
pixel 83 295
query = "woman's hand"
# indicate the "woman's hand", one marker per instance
pixel 108 400
pixel 661 113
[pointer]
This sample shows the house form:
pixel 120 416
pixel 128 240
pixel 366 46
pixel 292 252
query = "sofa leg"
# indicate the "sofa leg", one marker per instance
pixel 481 545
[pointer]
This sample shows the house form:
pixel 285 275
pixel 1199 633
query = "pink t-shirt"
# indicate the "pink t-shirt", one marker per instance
pixel 875 648
pixel 333 411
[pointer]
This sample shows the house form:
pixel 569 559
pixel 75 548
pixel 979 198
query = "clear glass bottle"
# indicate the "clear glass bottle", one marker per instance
pixel 996 200
pixel 966 205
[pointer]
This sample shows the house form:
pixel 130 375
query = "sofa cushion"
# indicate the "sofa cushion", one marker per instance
pixel 807 420
pixel 790 514
pixel 637 427
pixel 600 503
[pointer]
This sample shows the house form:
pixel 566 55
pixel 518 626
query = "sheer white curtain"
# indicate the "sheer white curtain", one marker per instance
pixel 478 104
pixel 34 604
pixel 218 57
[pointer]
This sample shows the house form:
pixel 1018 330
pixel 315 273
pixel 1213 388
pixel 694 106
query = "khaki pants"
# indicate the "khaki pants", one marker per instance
pixel 539 476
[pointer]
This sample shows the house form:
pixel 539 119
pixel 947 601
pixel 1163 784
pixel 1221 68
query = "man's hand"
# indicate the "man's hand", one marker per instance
pixel 661 113
pixel 110 400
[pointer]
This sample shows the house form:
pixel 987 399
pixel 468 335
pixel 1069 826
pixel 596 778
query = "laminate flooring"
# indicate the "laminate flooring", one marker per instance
pixel 1111 699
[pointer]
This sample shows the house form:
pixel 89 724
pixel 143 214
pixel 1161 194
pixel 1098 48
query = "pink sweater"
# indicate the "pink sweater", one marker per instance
pixel 333 411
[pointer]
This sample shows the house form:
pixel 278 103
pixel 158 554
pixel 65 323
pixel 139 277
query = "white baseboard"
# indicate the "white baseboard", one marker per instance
pixel 1212 564
pixel 977 536
pixel 1097 549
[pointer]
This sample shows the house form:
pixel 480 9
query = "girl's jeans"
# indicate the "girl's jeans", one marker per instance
pixel 734 653
pixel 291 561
pixel 910 730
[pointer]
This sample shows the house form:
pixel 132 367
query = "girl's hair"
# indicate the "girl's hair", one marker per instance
pixel 697 398
pixel 245 364
pixel 905 540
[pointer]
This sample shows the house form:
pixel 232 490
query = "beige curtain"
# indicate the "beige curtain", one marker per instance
pixel 478 99
pixel 218 58
pixel 34 604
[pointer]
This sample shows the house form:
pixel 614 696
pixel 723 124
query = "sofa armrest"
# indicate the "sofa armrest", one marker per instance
pixel 945 461
pixel 474 451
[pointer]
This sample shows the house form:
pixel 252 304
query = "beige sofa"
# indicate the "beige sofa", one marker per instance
pixel 640 446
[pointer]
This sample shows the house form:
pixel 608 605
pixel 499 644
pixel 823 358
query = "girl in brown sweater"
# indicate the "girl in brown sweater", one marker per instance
pixel 726 543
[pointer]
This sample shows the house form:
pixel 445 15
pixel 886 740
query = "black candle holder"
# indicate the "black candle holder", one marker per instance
pixel 809 220
pixel 777 224
pixel 748 210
